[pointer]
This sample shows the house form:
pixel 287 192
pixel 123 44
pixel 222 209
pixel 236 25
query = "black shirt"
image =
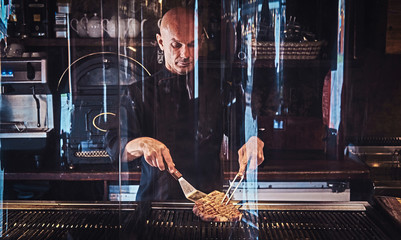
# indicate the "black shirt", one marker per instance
pixel 166 107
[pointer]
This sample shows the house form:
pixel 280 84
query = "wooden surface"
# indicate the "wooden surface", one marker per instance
pixel 392 206
pixel 271 170
pixel 308 170
pixel 73 176
pixel 393 34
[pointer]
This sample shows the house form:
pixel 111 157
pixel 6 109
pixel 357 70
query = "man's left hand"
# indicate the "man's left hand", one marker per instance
pixel 251 152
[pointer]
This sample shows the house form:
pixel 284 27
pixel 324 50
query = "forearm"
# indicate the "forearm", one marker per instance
pixel 133 149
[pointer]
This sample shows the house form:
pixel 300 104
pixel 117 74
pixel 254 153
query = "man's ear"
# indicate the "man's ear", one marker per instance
pixel 159 41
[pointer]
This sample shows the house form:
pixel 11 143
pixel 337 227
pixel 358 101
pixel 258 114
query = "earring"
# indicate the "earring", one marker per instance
pixel 160 55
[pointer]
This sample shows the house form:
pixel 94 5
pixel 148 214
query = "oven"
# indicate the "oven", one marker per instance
pixel 97 82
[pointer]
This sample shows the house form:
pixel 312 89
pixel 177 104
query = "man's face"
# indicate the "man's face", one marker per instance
pixel 177 42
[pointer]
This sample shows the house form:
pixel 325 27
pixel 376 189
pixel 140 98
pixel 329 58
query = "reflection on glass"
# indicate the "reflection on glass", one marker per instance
pixel 150 89
pixel 174 118
pixel 1 192
pixel 338 74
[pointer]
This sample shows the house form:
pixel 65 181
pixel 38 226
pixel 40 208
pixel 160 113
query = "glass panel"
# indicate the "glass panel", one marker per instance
pixel 89 97
pixel 269 65
pixel 99 97
pixel 236 72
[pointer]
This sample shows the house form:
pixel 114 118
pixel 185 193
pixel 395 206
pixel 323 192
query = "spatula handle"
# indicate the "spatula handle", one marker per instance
pixel 176 174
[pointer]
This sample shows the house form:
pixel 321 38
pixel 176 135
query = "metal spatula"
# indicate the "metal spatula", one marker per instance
pixel 190 192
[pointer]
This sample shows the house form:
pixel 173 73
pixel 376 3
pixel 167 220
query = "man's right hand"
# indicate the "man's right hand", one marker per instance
pixel 153 151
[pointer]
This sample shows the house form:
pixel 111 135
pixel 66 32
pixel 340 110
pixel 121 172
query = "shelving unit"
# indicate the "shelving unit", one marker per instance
pixel 83 42
pixel 265 63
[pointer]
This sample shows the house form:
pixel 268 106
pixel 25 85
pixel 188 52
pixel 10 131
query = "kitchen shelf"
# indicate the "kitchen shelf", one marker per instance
pixel 99 42
pixel 84 42
pixel 73 176
pixel 271 170
pixel 269 63
pixel 307 170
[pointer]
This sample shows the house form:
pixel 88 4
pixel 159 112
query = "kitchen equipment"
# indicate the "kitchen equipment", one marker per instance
pixel 26 114
pixel 383 157
pixel 111 27
pixel 116 26
pixel 80 26
pixel 63 6
pixel 26 100
pixel 14 50
pixel 37 18
pixel 133 27
pixel 94 27
pixel 60 23
pixel 190 192
pixel 97 82
pixel 175 220
pixel 30 18
pixel 241 177
pixel 149 27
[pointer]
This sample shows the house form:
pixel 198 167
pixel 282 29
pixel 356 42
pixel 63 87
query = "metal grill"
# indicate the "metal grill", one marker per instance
pixel 384 161
pixel 264 225
pixel 91 154
pixel 183 224
pixel 49 224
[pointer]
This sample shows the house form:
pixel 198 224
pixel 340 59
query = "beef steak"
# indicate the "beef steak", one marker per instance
pixel 209 208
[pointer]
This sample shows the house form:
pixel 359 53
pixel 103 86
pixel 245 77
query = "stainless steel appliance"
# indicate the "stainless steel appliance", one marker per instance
pixel 26 111
pixel 26 100
pixel 383 157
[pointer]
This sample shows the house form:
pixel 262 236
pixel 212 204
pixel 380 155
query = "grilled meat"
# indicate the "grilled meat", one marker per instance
pixel 210 208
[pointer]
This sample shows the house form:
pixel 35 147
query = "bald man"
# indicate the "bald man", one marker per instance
pixel 166 124
pixel 176 39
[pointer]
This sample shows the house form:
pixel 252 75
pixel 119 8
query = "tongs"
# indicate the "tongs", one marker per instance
pixel 231 185
pixel 190 192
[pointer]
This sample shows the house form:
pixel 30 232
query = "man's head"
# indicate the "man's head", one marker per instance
pixel 176 39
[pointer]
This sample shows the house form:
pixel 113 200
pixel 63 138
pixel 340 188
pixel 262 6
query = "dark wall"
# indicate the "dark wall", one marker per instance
pixel 372 84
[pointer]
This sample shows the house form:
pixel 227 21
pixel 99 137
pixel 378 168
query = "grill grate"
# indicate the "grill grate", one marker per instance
pixel 183 224
pixel 91 154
